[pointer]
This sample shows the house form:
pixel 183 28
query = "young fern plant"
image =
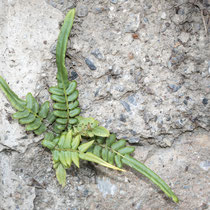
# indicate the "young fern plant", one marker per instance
pixel 74 137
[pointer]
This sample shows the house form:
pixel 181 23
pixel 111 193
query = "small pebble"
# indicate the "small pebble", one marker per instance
pixel 82 11
pixel 167 24
pixel 132 99
pixel 133 140
pixel 205 165
pixel 90 64
pixel 184 37
pixel 185 102
pixel 74 75
pixel 113 1
pixel 126 106
pixel 97 54
pixel 174 88
pixel 205 101
pixel 122 118
pixel 163 16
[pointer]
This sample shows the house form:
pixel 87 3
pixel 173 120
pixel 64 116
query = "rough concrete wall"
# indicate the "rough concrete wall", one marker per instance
pixel 143 71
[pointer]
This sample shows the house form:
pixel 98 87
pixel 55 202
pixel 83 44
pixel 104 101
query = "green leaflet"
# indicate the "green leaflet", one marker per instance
pixel 61 175
pixel 75 158
pixel 135 164
pixel 44 109
pixel 62 75
pixel 27 120
pixel 15 101
pixel 41 129
pixel 97 150
pixel 76 142
pixel 84 147
pixel 34 125
pixel 126 150
pixel 21 114
pixel 68 158
pixel 119 144
pixel 49 144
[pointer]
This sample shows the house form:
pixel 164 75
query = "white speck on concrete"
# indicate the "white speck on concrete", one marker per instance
pixel 205 165
pixel 106 187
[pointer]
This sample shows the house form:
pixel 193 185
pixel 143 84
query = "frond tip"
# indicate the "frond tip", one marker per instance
pixel 29 112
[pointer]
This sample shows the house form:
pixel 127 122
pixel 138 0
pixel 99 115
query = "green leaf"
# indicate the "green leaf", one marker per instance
pixel 62 121
pixel 56 91
pixel 51 117
pixel 87 121
pixel 73 121
pixel 97 150
pixel 27 120
pixel 62 158
pixel 49 136
pixel 41 129
pixel 74 104
pixel 75 158
pixel 72 87
pixel 60 99
pixel 119 144
pixel 100 131
pixel 68 158
pixel 61 175
pixel 118 161
pixel 126 150
pixel 55 154
pixel 76 142
pixel 110 140
pixel 104 154
pixel 84 147
pixel 140 167
pixel 62 140
pixel 111 156
pixel 49 144
pixel 74 112
pixel 73 96
pixel 68 140
pixel 59 106
pixel 22 114
pixel 61 114
pixel 44 109
pixel 30 101
pixel 62 75
pixel 15 101
pixel 34 125
pixel 93 158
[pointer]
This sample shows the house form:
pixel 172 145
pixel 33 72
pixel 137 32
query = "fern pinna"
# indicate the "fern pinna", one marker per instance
pixel 73 137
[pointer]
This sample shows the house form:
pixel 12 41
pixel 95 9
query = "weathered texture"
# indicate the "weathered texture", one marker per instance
pixel 148 81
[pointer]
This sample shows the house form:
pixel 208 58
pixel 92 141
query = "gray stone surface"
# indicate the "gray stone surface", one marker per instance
pixel 151 86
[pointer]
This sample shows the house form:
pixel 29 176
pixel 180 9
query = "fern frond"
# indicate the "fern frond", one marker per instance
pixel 29 112
pixel 117 153
pixel 62 75
pixel 64 94
pixel 67 149
pixel 66 106
pixel 89 127
pixel 15 101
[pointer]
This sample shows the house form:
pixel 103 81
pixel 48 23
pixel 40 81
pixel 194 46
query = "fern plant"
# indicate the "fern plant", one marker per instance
pixel 71 137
